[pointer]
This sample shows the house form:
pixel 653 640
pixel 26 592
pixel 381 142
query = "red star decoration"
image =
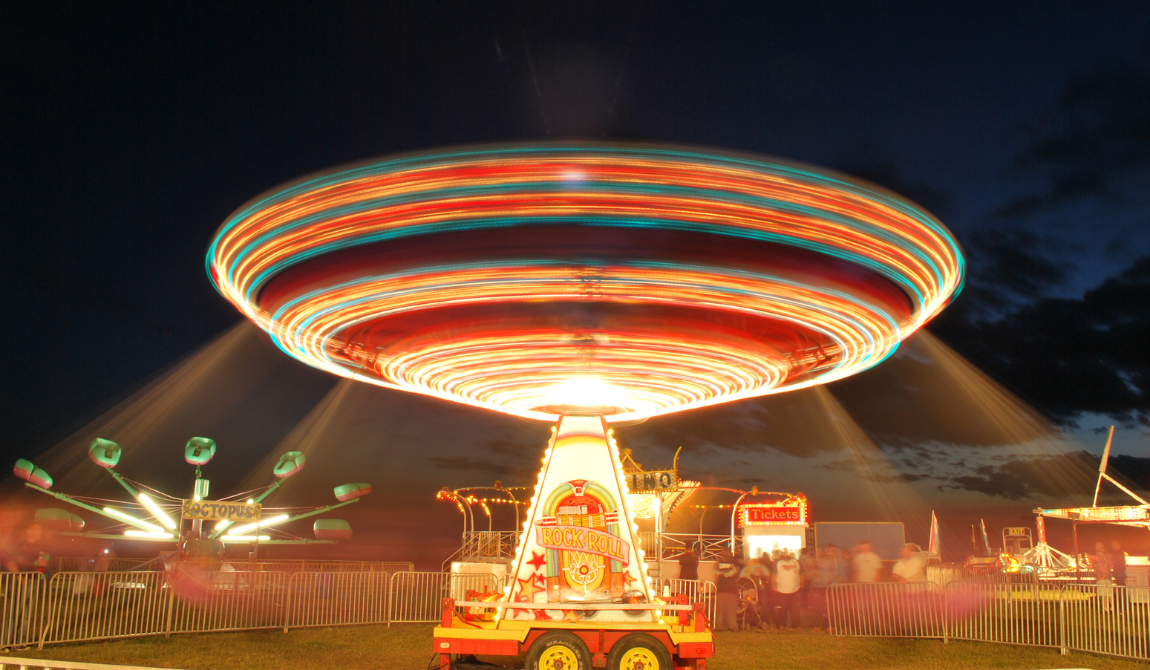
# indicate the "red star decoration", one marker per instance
pixel 528 587
pixel 537 559
pixel 516 612
pixel 541 615
pixel 627 578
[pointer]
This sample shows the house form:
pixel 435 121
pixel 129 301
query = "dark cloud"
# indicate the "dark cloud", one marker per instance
pixel 876 468
pixel 469 464
pixel 515 460
pixel 1099 138
pixel 1069 356
pixel 1054 476
pixel 885 174
pixel 791 423
pixel 1008 266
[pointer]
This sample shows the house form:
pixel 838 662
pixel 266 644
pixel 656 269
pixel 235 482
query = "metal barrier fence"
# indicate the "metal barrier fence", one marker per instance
pixel 83 606
pixel 229 601
pixel 417 597
pixel 88 606
pixel 1106 619
pixel 337 599
pixel 695 591
pixel 1022 614
pixel 21 607
pixel 1101 619
pixel 886 610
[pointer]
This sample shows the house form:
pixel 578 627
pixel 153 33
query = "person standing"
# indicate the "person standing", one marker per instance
pixel 1118 571
pixel 911 566
pixel 842 563
pixel 826 565
pixel 766 596
pixel 1100 561
pixel 788 580
pixel 1103 571
pixel 867 564
pixel 760 575
pixel 1117 563
pixel 689 565
pixel 727 593
pixel 807 563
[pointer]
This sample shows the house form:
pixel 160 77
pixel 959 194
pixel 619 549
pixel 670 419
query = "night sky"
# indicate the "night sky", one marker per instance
pixel 130 131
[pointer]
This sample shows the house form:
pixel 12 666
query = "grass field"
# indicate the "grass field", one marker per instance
pixel 407 647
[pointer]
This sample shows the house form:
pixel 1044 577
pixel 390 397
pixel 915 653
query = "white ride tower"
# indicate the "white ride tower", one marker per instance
pixel 579 543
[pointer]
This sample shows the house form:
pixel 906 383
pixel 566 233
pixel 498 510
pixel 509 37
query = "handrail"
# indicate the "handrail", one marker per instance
pixel 479 604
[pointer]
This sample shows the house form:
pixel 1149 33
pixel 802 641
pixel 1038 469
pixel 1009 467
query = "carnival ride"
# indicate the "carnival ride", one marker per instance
pixel 589 286
pixel 155 516
pixel 1055 563
pixel 653 497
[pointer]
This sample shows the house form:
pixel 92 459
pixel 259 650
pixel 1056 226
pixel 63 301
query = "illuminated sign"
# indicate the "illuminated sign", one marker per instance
pixel 652 481
pixel 208 510
pixel 588 540
pixel 1011 532
pixel 789 513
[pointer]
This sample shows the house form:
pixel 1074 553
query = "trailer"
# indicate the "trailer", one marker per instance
pixel 578 595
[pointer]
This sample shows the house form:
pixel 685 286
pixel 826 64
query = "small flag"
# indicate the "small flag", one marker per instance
pixel 985 539
pixel 933 547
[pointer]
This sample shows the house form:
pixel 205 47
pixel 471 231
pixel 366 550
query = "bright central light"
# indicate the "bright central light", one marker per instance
pixel 157 512
pixel 586 392
pixel 248 527
pixel 148 535
pixel 142 525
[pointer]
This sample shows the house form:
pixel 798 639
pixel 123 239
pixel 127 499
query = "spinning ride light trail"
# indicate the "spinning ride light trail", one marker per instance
pixel 621 281
pixel 585 284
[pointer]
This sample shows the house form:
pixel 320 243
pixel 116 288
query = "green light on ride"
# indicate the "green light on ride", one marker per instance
pixel 199 450
pixel 104 453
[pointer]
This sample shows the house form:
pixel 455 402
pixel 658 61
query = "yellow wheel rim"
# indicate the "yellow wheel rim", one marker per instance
pixel 558 657
pixel 639 658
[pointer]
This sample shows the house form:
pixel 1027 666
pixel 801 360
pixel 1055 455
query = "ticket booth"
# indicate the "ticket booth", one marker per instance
pixel 768 526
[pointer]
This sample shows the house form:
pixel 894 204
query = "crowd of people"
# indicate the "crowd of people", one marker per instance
pixel 787 584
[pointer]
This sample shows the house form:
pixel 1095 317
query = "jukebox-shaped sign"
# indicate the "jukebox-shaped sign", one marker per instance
pixel 580 532
pixel 579 541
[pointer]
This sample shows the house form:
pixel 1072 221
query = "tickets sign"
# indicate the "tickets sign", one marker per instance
pixel 755 515
pixel 210 510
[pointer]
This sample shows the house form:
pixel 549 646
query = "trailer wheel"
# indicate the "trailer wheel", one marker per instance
pixel 558 650
pixel 639 651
